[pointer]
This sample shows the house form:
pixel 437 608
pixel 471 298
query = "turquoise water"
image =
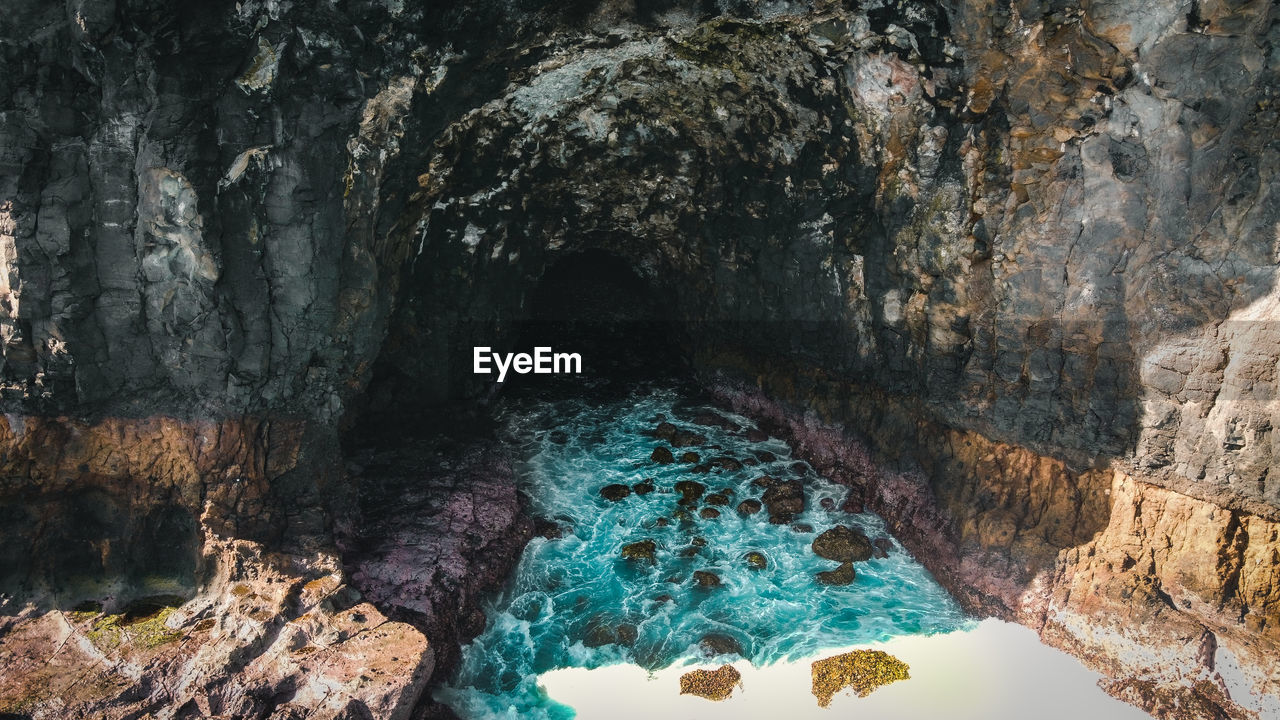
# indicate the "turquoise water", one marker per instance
pixel 571 594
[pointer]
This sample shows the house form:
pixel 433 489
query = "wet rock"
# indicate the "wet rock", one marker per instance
pixel 615 492
pixel 717 499
pixel 756 560
pixel 709 513
pixel 726 463
pixel 842 575
pixel 662 522
pixel 765 456
pixel 643 487
pixel 686 438
pixel 843 544
pixel 754 435
pixel 662 456
pixel 642 550
pixel 800 468
pixel 698 541
pixel 802 528
pixel 627 634
pixel 827 503
pixel 548 529
pixel 715 684
pixel 690 457
pixel 700 469
pixel 688 552
pixel 690 490
pixel 713 644
pixel 750 462
pixel 663 598
pixel 784 500
pixel 665 430
pixel 764 482
pixel 750 506
pixel 599 636
pixel 707 419
pixel 882 546
pixel 706 579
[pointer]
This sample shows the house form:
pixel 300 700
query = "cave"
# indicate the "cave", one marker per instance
pixel 594 303
pixel 909 325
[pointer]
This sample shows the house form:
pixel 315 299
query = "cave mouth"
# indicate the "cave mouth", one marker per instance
pixel 595 304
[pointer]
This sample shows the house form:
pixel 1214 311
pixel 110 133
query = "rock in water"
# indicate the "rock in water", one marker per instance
pixel 690 491
pixel 843 544
pixel 642 550
pixel 690 457
pixel 662 456
pixel 615 492
pixel 711 684
pixel 756 560
pixel 706 579
pixel 784 500
pixel 862 670
pixel 750 506
pixel 643 487
pixel 713 644
pixel 842 575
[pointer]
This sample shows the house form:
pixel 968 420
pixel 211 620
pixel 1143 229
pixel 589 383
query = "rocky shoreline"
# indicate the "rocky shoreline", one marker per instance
pixel 1175 635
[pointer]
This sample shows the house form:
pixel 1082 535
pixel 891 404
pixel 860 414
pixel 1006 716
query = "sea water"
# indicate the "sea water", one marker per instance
pixel 569 595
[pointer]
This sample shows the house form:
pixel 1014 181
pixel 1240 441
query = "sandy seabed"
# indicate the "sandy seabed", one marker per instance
pixel 994 671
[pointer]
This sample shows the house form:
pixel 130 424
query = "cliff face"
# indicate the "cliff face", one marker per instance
pixel 1024 255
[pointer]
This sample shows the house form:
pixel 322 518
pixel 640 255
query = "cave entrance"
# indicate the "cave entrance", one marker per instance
pixel 595 304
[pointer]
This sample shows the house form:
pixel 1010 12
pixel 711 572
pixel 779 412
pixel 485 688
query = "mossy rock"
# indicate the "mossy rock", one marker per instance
pixel 756 560
pixel 861 670
pixel 690 491
pixel 706 579
pixel 715 684
pixel 843 544
pixel 643 550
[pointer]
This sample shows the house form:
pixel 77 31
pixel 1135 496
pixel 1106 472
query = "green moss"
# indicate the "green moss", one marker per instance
pixel 862 670
pixel 141 626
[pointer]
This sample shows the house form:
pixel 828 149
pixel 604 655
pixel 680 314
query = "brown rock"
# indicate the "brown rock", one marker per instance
pixel 642 550
pixel 784 500
pixel 750 506
pixel 689 457
pixel 842 575
pixel 662 456
pixel 709 513
pixel 842 544
pixel 615 492
pixel 711 684
pixel 706 578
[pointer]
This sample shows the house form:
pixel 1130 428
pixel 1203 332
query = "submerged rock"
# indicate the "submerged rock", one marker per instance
pixel 718 498
pixel 690 457
pixel 754 435
pixel 643 487
pixel 664 430
pixel 756 560
pixel 842 544
pixel 713 644
pixel 726 463
pixel 615 492
pixel 643 550
pixel 750 506
pixel 715 684
pixel 882 546
pixel 842 575
pixel 685 438
pixel 862 670
pixel 662 456
pixel 709 513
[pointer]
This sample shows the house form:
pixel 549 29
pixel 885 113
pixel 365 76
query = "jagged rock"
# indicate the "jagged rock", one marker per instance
pixel 750 506
pixel 662 456
pixel 643 487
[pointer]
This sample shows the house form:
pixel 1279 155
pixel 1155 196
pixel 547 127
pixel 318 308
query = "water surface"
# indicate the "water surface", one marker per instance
pixel 574 602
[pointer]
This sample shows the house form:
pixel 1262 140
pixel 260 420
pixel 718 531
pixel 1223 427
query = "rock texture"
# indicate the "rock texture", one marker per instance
pixel 1018 249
